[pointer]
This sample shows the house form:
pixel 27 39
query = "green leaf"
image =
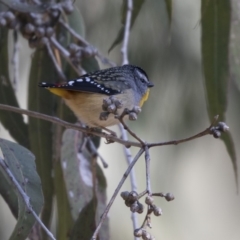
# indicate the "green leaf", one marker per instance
pixel 40 132
pixel 79 169
pixel 216 17
pixel 20 162
pixel 234 43
pixel 13 122
pixel 8 194
pixel 169 9
pixel 137 5
pixel 85 225
pixel 65 221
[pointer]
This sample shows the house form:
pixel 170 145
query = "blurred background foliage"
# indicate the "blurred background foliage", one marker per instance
pixel 170 44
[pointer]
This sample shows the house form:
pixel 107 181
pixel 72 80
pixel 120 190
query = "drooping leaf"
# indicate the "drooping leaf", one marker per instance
pixel 169 9
pixel 20 162
pixel 8 193
pixel 65 220
pixel 40 132
pixel 13 122
pixel 80 173
pixel 137 5
pixel 234 43
pixel 85 224
pixel 216 18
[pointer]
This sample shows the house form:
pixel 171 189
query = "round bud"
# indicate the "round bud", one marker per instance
pixel 134 207
pixel 111 108
pixel 73 48
pixel 217 134
pixel 157 211
pixel 132 116
pixel 54 11
pixel 140 208
pixel 137 109
pixel 29 28
pixel 107 102
pixel 146 235
pixel 128 203
pixel 3 22
pixel 133 196
pixel 138 232
pixel 222 126
pixel 118 103
pixel 169 197
pixel 103 116
pixel 149 200
pixel 40 32
pixel 9 16
pixel 125 195
pixel 49 31
pixel 89 51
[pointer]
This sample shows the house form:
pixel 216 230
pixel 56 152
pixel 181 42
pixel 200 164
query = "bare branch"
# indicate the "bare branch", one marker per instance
pixel 15 60
pixel 58 68
pixel 68 125
pixel 133 180
pixel 147 161
pixel 124 49
pixel 198 135
pixel 103 59
pixel 65 54
pixel 104 215
pixel 120 118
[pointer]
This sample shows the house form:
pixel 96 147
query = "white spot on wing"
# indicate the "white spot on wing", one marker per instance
pixel 87 79
pixel 79 80
pixel 71 83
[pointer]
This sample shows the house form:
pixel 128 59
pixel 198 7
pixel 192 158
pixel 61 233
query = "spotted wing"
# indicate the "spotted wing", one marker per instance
pixel 85 83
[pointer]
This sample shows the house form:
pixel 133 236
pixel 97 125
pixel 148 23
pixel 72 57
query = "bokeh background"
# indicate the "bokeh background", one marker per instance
pixel 199 173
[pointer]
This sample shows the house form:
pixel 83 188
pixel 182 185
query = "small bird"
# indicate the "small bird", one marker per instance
pixel 84 96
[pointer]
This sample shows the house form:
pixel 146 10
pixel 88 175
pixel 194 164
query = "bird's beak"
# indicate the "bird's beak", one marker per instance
pixel 150 85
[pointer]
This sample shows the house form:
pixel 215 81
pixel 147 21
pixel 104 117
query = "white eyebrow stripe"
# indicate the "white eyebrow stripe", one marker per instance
pixel 142 76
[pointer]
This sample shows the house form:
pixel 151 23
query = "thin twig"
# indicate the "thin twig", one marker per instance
pixel 65 54
pixel 103 59
pixel 24 196
pixel 198 135
pixel 58 68
pixel 147 161
pixel 133 180
pixel 95 151
pixel 68 125
pixel 102 134
pixel 104 215
pixel 124 49
pixel 120 118
pixel 147 219
pixel 15 60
